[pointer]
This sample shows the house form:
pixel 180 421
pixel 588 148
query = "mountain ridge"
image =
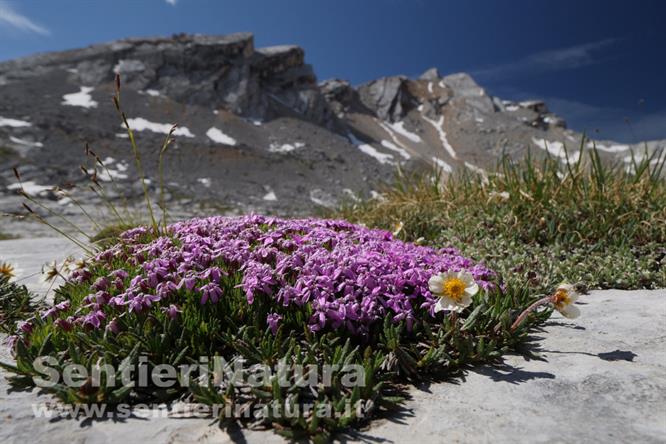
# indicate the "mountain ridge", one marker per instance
pixel 258 131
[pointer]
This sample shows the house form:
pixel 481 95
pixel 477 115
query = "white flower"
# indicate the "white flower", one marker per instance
pixel 454 290
pixel 498 196
pixel 50 271
pixel 398 228
pixel 563 301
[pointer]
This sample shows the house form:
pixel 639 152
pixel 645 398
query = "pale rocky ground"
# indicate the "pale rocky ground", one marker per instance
pixel 600 378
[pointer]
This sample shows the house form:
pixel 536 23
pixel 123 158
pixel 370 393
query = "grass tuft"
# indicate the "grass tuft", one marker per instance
pixel 16 304
pixel 6 236
pixel 539 222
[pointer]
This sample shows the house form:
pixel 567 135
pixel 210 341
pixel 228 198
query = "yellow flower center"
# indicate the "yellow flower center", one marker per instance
pixel 454 288
pixel 6 269
pixel 561 298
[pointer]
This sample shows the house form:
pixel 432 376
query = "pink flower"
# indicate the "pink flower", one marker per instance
pixel 349 276
pixel 210 292
pixel 25 327
pixel 142 301
pixel 101 284
pixel 64 324
pixel 188 283
pixel 113 326
pixel 273 321
pixel 94 319
pixel 172 311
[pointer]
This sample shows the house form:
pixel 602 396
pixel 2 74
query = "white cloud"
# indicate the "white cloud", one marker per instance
pixel 171 2
pixel 560 59
pixel 10 18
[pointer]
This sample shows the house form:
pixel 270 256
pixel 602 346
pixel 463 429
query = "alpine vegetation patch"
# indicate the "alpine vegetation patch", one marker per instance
pixel 539 222
pixel 306 326
pixel 258 311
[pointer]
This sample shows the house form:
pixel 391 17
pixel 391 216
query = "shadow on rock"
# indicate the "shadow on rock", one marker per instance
pixel 564 324
pixel 618 355
pixel 87 418
pixel 511 374
pixel 353 436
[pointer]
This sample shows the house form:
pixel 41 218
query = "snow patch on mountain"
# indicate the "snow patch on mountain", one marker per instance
pixel 554 148
pixel 397 149
pixel 401 148
pixel 82 98
pixel 270 195
pixel 372 152
pixel 30 187
pixel 216 135
pixel 13 123
pixel 285 148
pixel 399 127
pixel 112 170
pixel 26 142
pixel 442 164
pixel 438 125
pixel 617 148
pixel 141 124
pixel 322 198
pixel 365 148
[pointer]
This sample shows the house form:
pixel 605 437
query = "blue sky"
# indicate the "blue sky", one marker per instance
pixel 600 64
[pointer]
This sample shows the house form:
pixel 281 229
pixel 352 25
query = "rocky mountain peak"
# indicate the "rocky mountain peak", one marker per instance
pixel 257 131
pixel 430 74
pixel 215 71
